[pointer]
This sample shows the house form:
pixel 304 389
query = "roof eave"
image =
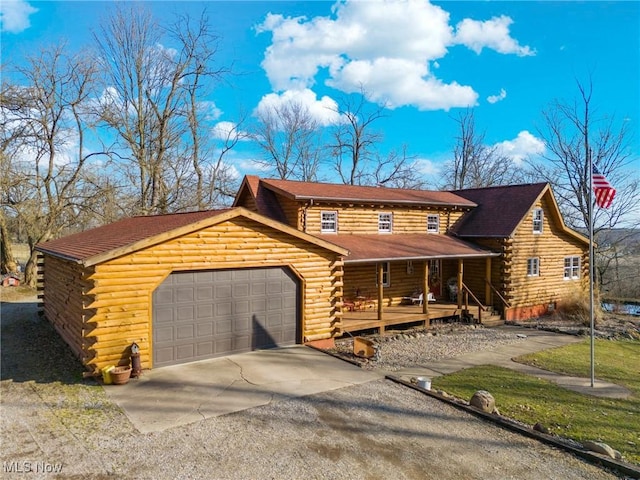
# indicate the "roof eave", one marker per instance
pixel 422 257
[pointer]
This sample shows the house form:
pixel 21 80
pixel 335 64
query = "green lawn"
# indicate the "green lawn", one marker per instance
pixel 564 412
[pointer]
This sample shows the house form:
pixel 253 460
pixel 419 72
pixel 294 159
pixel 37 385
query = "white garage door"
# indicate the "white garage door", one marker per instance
pixel 204 314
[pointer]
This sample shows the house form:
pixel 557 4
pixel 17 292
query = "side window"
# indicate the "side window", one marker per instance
pixel 329 222
pixel 571 268
pixel 386 276
pixel 385 222
pixel 533 267
pixel 433 223
pixel 538 220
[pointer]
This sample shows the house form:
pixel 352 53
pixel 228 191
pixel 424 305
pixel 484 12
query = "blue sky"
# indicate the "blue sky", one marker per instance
pixel 427 61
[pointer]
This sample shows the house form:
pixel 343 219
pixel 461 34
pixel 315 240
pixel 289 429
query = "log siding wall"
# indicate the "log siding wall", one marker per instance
pixel 363 219
pixel 121 289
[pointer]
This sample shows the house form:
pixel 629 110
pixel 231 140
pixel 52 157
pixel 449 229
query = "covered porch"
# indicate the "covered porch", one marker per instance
pixel 367 319
pixel 399 279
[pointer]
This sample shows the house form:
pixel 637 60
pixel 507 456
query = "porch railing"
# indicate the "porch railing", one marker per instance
pixel 495 290
pixel 466 294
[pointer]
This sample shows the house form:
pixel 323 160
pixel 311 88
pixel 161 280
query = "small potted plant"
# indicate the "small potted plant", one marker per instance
pixel 120 375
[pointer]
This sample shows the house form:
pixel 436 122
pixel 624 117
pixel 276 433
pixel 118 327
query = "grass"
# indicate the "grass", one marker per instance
pixel 566 413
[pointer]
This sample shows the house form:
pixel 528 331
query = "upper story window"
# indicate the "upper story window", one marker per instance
pixel 533 267
pixel 433 223
pixel 538 217
pixel 385 222
pixel 329 222
pixel 571 268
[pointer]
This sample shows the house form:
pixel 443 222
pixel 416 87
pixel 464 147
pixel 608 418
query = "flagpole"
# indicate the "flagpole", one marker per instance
pixel 591 267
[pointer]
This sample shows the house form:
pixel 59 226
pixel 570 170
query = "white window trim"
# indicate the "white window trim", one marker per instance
pixel 541 228
pixel 534 271
pixel 381 222
pixel 386 272
pixel 573 266
pixel 433 216
pixel 335 221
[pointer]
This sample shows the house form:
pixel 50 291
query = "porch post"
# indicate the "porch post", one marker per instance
pixel 460 268
pixel 425 289
pixel 380 295
pixel 487 283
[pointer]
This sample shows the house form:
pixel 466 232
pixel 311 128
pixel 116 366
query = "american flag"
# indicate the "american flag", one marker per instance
pixel 602 189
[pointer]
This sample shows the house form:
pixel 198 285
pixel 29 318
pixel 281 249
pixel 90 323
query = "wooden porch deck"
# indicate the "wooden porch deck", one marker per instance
pixel 397 315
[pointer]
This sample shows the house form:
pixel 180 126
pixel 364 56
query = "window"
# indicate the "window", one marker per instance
pixel 329 222
pixel 385 221
pixel 433 223
pixel 533 267
pixel 537 220
pixel 571 268
pixel 386 278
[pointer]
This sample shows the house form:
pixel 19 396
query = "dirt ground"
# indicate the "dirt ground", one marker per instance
pixel 54 424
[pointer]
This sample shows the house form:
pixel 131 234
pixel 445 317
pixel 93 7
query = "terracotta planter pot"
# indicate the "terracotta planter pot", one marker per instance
pixel 120 375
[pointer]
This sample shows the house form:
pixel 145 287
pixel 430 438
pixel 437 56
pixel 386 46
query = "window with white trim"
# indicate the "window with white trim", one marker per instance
pixel 538 220
pixel 433 223
pixel 571 268
pixel 329 222
pixel 533 267
pixel 386 275
pixel 385 222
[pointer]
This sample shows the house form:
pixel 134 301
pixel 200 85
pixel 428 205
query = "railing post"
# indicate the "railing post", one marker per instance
pixel 487 285
pixel 460 271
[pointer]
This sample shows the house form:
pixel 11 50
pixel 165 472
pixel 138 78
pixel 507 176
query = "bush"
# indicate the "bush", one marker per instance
pixel 575 307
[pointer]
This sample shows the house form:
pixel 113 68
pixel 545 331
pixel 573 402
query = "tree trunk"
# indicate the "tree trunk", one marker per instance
pixel 31 270
pixel 8 262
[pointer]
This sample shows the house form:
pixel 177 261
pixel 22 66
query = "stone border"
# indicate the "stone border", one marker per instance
pixel 592 457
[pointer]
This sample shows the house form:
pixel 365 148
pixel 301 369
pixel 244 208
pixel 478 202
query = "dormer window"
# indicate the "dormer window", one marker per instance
pixel 433 223
pixel 329 222
pixel 385 222
pixel 538 217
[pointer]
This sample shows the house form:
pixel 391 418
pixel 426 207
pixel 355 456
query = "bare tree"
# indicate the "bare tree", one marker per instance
pixel 353 149
pixel 289 136
pixel 151 100
pixel 43 163
pixel 572 131
pixel 475 164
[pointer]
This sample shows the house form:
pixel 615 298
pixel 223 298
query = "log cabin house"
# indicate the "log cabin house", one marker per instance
pixel 488 254
pixel 298 262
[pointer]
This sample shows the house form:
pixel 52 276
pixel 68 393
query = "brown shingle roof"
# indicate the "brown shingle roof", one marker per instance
pixel 500 209
pixel 87 244
pixel 420 246
pixel 331 192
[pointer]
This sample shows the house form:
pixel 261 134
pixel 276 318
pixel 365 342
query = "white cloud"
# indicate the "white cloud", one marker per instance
pixel 427 167
pixel 324 110
pixel 492 34
pixel 14 15
pixel 228 130
pixel 521 147
pixel 497 98
pixel 388 48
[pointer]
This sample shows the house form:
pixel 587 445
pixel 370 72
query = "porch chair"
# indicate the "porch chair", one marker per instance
pixel 452 286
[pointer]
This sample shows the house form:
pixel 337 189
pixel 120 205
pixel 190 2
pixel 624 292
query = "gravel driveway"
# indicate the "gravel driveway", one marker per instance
pixel 54 425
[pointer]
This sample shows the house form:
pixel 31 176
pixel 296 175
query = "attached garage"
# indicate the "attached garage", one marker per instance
pixel 202 314
pixel 190 286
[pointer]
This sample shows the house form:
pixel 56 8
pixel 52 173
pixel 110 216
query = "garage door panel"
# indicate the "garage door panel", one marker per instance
pixel 198 315
pixel 223 327
pixel 204 330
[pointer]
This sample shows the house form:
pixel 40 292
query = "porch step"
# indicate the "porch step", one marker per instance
pixel 492 321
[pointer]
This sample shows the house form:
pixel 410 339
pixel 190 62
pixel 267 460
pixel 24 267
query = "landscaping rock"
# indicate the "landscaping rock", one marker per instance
pixel 538 427
pixel 483 400
pixel 603 448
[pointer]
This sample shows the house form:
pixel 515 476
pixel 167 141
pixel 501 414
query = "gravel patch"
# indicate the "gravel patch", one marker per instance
pixel 418 347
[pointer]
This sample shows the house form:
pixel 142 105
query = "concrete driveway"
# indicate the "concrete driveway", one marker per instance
pixel 183 394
